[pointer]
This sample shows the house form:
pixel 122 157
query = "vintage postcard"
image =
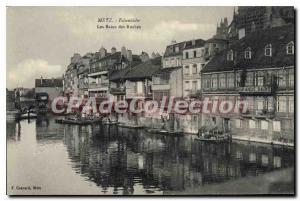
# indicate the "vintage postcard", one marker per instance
pixel 150 100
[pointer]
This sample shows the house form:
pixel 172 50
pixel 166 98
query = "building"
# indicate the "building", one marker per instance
pixel 70 80
pixel 193 61
pixel 102 65
pixel 53 87
pixel 258 68
pixel 251 18
pixel 82 73
pixel 168 80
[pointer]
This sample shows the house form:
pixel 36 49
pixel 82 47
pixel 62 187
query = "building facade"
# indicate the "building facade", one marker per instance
pixel 260 72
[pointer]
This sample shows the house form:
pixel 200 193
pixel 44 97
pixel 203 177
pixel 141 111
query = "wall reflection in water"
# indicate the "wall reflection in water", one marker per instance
pixel 123 159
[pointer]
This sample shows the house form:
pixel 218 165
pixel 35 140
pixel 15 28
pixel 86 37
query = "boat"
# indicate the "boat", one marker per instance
pixel 78 121
pixel 163 132
pixel 123 125
pixel 214 138
pixel 110 123
pixel 27 115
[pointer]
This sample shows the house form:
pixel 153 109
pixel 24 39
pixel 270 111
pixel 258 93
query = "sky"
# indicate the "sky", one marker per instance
pixel 41 40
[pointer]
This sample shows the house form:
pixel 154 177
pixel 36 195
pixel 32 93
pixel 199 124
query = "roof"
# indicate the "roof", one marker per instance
pixel 216 40
pixel 55 82
pixel 144 70
pixel 278 37
pixel 167 70
pixel 170 49
pixel 197 43
pixel 118 74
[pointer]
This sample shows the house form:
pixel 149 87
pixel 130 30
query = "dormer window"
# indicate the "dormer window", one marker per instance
pixel 248 53
pixel 230 55
pixel 290 48
pixel 268 50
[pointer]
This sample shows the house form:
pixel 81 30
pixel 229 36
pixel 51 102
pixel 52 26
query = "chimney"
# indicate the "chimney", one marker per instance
pixel 124 51
pixel 173 42
pixel 113 50
pixel 225 22
pixel 144 57
pixel 193 42
pixel 129 55
pixel 102 52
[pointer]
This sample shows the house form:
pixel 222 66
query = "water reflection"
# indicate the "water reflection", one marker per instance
pixel 124 161
pixel 124 158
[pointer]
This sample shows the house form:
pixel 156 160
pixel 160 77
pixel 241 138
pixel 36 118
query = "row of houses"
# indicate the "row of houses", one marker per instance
pixel 256 65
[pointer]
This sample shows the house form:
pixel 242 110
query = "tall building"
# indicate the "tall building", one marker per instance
pixel 251 18
pixel 258 69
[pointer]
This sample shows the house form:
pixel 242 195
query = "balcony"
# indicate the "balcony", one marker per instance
pixel 191 76
pixel 118 91
pixel 255 90
pixel 98 69
pixel 195 93
pixel 101 86
pixel 160 87
pixel 259 114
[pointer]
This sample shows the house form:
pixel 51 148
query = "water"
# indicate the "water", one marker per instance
pixel 62 159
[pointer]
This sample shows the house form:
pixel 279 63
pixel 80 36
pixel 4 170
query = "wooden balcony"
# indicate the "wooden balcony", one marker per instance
pixel 255 90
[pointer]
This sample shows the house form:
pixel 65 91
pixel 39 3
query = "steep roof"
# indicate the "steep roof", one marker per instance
pixel 144 70
pixel 170 49
pixel 278 37
pixel 55 82
pixel 197 43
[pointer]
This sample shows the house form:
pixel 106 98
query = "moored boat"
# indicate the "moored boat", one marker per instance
pixel 123 125
pixel 163 131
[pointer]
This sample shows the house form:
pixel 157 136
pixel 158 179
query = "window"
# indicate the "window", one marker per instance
pixel 291 78
pixel 195 53
pixel 264 125
pixel 238 123
pixel 264 159
pixel 281 104
pixel 252 124
pixel 194 68
pixel 186 70
pixel 176 49
pixel 260 104
pixel 276 126
pixel 268 50
pixel 230 55
pixel 248 53
pixel 187 85
pixel 238 79
pixel 291 104
pixel 194 85
pixel 239 155
pixel 252 157
pixel 214 79
pixel 186 55
pixel 230 80
pixel 222 80
pixel 277 162
pixel 249 79
pixel 290 48
pixel 281 78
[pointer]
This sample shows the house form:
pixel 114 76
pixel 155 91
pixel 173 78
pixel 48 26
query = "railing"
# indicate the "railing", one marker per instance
pixel 120 90
pixel 191 76
pixel 160 87
pixel 98 69
pixel 255 90
pixel 98 85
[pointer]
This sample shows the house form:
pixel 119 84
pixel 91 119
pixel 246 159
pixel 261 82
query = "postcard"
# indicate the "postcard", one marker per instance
pixel 150 100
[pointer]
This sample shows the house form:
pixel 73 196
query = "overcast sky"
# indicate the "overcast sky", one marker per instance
pixel 41 40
